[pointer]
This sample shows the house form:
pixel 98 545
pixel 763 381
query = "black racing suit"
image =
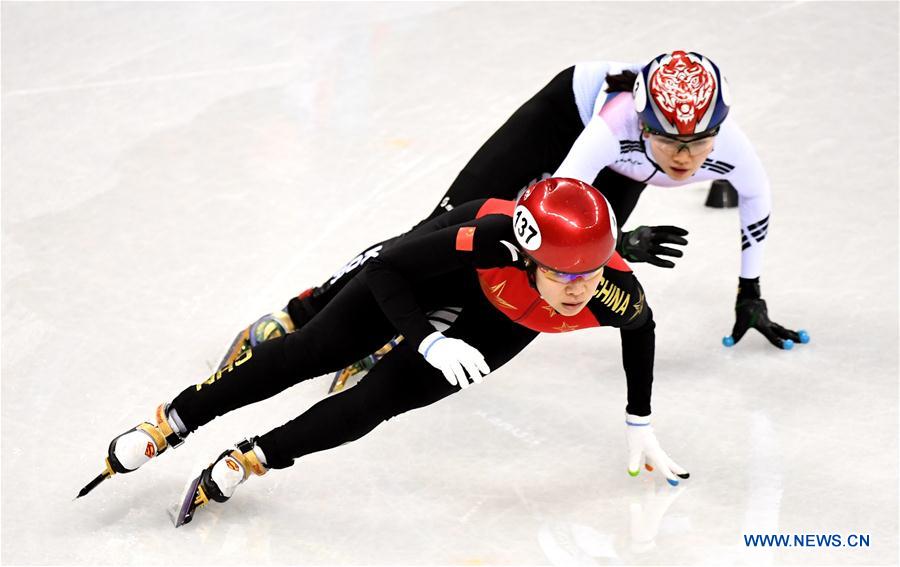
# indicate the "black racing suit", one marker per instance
pixel 424 270
pixel 529 146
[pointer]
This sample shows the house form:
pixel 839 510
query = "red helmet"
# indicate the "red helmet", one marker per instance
pixel 565 225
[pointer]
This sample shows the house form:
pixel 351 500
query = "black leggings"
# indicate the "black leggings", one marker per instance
pixel 529 146
pixel 349 328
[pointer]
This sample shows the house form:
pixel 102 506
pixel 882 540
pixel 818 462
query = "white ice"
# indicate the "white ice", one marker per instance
pixel 171 171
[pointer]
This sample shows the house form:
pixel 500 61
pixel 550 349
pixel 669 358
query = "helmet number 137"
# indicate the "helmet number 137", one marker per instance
pixel 525 227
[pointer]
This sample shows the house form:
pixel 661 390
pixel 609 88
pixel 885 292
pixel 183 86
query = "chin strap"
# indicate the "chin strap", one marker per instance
pixel 530 269
pixel 647 155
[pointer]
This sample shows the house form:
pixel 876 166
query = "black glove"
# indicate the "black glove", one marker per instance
pixel 645 244
pixel 750 311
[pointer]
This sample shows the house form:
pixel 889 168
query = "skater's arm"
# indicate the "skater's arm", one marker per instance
pixel 746 173
pixel 595 148
pixel 446 253
pixel 638 350
pixel 755 204
pixel 644 449
pixel 620 302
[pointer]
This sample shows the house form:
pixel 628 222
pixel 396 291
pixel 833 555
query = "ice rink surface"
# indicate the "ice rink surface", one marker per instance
pixel 172 171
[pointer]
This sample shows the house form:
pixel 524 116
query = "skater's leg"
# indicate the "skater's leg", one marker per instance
pixel 300 309
pixel 306 305
pixel 621 192
pixel 350 327
pixel 530 145
pixel 400 382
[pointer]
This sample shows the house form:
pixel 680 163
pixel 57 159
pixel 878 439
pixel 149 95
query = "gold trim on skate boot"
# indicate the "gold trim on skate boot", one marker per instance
pixel 237 461
pixel 251 461
pixel 200 499
pixel 158 439
pixel 269 326
pixel 286 322
pixel 341 379
pixel 172 437
pixel 162 421
pixel 363 365
pixel 109 470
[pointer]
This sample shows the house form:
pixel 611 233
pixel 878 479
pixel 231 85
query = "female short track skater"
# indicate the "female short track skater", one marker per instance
pixel 618 127
pixel 513 269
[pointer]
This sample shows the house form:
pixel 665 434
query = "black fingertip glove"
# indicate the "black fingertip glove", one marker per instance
pixel 751 312
pixel 645 244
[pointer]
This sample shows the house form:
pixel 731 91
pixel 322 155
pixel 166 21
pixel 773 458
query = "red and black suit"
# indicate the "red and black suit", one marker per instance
pixel 466 258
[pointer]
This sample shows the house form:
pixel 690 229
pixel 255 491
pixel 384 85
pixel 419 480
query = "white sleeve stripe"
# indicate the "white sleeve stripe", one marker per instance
pixel 514 252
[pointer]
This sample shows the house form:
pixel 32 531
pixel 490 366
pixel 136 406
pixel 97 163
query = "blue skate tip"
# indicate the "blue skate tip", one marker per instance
pixel 672 482
pixel 804 336
pixel 788 344
pixel 728 341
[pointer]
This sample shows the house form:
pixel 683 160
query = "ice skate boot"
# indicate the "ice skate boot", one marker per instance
pixel 267 327
pixel 130 450
pixel 219 480
pixel 360 368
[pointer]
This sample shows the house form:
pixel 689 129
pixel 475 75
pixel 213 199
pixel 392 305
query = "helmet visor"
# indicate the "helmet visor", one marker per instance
pixel 565 277
pixel 672 145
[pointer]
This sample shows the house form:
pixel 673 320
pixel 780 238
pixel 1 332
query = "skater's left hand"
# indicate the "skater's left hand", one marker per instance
pixel 454 358
pixel 644 451
pixel 645 244
pixel 751 312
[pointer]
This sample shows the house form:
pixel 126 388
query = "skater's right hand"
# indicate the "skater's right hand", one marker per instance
pixel 454 358
pixel 751 313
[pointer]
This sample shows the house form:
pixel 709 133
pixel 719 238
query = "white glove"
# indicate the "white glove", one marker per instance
pixel 451 356
pixel 644 450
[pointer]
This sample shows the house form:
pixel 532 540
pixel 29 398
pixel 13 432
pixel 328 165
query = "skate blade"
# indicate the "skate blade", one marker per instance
pixel 358 370
pixel 94 483
pixel 108 472
pixel 236 348
pixel 183 512
pixel 342 377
